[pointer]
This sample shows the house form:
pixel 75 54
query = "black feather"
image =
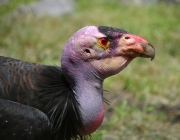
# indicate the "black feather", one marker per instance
pixel 111 32
pixel 22 122
pixel 44 88
pixel 57 100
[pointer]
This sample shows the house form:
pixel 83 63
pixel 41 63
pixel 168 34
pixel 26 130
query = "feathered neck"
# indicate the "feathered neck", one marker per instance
pixel 56 99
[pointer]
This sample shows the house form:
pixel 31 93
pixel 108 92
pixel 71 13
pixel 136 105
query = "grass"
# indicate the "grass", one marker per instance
pixel 145 97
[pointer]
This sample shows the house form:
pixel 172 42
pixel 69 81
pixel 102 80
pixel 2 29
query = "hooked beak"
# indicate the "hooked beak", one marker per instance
pixel 136 45
pixel 148 49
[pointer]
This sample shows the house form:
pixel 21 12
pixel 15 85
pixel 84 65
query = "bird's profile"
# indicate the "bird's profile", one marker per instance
pixel 62 103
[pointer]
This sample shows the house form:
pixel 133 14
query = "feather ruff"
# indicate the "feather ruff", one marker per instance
pixel 57 100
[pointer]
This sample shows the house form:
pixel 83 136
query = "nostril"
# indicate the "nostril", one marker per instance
pixel 129 40
pixel 127 37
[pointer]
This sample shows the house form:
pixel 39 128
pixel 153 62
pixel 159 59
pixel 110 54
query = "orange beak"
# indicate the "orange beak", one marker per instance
pixel 136 46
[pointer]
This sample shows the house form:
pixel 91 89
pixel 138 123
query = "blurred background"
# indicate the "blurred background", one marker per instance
pixel 145 96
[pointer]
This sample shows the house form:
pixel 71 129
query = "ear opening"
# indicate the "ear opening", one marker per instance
pixel 87 51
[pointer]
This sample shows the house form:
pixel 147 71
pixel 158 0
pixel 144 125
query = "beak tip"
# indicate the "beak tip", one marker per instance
pixel 153 54
pixel 149 50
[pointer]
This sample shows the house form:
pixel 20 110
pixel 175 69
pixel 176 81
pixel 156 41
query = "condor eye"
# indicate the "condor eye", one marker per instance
pixel 104 42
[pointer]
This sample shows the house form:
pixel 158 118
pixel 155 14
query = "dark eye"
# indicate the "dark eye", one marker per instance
pixel 104 41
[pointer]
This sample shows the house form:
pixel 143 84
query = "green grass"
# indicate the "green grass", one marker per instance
pixel 146 95
pixel 7 8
